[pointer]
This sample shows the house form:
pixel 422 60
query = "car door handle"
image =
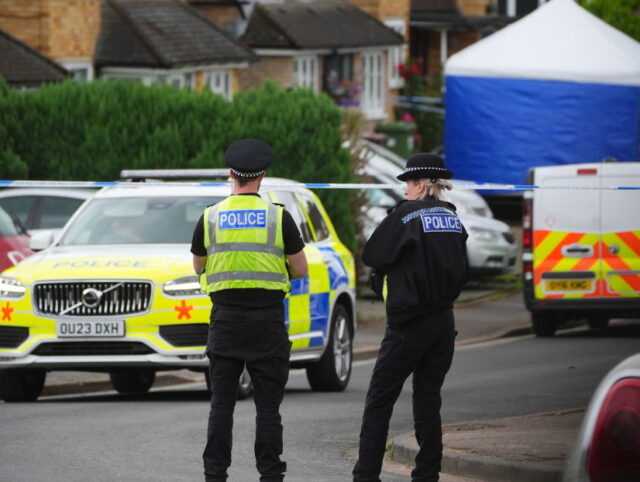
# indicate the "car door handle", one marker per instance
pixel 577 251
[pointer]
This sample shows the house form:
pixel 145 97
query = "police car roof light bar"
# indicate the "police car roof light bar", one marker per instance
pixel 142 175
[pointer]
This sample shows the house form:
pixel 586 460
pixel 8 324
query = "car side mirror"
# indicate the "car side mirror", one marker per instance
pixel 41 240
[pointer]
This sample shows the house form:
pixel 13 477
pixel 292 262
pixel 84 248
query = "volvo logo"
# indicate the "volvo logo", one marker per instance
pixel 91 297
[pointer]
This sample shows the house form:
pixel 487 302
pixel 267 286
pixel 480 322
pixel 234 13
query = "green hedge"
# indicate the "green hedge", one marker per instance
pixel 91 131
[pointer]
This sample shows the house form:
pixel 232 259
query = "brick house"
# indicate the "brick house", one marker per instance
pixel 163 41
pixel 329 46
pixel 169 42
pixel 63 30
pixel 23 67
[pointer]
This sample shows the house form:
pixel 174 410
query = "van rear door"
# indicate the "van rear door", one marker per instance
pixel 620 225
pixel 566 248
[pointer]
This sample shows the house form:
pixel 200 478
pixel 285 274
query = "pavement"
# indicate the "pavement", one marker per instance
pixel 530 448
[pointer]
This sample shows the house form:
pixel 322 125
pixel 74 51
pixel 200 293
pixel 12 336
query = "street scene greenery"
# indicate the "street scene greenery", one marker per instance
pixel 91 131
pixel 621 14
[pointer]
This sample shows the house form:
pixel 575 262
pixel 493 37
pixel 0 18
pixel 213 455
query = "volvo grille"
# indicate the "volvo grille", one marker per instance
pixel 115 298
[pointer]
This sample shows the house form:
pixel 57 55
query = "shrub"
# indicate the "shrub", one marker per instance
pixel 91 131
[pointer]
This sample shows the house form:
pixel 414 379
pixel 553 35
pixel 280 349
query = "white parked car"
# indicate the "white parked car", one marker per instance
pixel 43 209
pixel 491 246
pixel 608 445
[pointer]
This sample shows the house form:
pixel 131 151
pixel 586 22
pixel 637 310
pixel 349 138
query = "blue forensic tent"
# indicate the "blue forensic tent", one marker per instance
pixel 559 86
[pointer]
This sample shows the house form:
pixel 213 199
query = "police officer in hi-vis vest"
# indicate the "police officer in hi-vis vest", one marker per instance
pixel 246 250
pixel 419 257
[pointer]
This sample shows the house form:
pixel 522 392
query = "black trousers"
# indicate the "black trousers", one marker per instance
pixel 424 348
pixel 269 372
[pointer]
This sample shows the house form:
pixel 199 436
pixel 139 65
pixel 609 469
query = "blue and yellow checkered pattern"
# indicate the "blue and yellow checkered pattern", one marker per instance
pixel 307 307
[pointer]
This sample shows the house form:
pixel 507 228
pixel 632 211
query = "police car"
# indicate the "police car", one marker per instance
pixel 116 292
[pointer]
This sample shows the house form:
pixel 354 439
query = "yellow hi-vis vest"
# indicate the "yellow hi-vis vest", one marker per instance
pixel 245 247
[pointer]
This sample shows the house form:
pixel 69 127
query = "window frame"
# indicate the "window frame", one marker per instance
pixel 304 228
pixel 373 85
pixel 76 67
pixel 316 230
pixel 302 78
pixel 396 55
pixel 226 87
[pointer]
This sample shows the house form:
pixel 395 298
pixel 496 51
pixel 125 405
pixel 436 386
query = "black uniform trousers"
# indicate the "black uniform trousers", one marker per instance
pixel 424 347
pixel 269 371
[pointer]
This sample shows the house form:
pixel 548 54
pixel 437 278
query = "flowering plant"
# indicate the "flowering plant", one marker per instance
pixel 409 69
pixel 413 75
pixel 345 92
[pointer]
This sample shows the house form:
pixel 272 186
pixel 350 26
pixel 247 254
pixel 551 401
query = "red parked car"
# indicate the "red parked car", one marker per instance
pixel 14 241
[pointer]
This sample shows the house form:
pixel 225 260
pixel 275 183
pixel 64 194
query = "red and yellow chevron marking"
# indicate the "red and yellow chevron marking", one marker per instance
pixel 626 259
pixel 616 274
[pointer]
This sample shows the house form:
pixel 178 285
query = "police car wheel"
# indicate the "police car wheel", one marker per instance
pixel 132 380
pixel 544 324
pixel 21 385
pixel 333 371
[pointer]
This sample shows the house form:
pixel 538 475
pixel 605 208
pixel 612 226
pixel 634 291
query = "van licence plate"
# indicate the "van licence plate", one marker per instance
pixel 568 285
pixel 77 329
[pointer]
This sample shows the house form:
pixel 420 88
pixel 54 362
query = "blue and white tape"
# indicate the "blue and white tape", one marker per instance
pixel 308 185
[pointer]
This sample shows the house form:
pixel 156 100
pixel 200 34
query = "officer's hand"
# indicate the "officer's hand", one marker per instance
pixel 376 282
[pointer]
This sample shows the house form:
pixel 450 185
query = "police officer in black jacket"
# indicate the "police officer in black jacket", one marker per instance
pixel 419 260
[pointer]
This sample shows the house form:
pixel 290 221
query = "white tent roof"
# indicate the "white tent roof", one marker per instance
pixel 558 41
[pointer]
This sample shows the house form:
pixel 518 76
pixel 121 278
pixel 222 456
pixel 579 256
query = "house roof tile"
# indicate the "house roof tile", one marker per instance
pixel 21 65
pixel 316 25
pixel 162 34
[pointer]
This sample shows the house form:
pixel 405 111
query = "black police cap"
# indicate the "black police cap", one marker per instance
pixel 425 166
pixel 248 157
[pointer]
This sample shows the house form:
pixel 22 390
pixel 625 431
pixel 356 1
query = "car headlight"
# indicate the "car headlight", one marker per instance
pixel 484 234
pixel 12 288
pixel 187 286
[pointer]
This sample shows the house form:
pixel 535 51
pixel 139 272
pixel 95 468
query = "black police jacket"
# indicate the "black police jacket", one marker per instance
pixel 421 248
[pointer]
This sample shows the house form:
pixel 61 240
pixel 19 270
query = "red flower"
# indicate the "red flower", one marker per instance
pixel 415 69
pixel 401 67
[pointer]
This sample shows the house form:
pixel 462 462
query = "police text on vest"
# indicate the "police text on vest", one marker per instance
pixel 441 223
pixel 242 219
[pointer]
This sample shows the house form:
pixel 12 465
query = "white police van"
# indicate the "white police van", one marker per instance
pixel 581 247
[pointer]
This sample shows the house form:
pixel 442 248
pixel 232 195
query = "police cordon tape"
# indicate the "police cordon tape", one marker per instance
pixel 308 185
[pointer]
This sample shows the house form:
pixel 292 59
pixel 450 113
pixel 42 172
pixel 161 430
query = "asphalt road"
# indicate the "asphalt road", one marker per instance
pixel 159 437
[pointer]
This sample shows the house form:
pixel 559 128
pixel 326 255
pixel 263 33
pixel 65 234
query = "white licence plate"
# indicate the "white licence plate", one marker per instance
pixel 76 328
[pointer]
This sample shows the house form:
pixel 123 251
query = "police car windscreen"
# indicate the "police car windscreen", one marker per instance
pixel 156 220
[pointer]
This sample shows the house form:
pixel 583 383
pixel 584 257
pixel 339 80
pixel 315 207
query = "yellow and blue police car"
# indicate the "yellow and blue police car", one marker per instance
pixel 116 292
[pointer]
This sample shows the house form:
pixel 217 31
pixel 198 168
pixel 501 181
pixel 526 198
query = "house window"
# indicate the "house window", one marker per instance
pixel 80 71
pixel 179 81
pixel 373 84
pixel 518 8
pixel 338 80
pixel 396 54
pixel 338 67
pixel 305 72
pixel 220 83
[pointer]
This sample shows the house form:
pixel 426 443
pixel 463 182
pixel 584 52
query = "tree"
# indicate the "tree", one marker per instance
pixel 621 14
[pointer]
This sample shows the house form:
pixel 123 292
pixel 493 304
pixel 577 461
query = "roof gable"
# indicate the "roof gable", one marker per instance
pixel 316 25
pixel 21 65
pixel 162 34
